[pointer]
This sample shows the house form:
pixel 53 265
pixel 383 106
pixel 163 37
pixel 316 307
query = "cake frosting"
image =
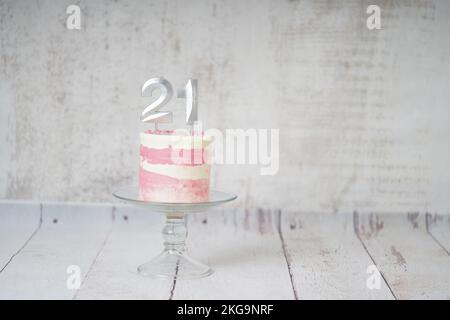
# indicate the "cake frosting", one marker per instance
pixel 174 166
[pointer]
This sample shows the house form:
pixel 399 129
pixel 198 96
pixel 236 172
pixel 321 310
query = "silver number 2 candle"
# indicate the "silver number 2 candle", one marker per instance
pixel 151 113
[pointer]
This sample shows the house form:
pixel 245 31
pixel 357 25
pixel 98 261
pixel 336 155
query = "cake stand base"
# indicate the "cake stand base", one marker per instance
pixel 173 262
pixel 174 265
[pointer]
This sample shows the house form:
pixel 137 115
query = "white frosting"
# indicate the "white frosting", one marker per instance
pixel 176 141
pixel 177 171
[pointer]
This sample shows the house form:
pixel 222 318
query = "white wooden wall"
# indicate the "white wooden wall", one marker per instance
pixel 363 114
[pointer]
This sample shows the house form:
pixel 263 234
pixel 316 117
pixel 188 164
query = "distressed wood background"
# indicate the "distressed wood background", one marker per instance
pixel 363 114
pixel 256 254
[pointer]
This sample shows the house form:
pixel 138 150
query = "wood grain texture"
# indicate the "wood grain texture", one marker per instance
pixel 135 238
pixel 363 114
pixel 69 235
pixel 438 226
pixel 326 257
pixel 411 261
pixel 19 222
pixel 244 249
pixel 258 254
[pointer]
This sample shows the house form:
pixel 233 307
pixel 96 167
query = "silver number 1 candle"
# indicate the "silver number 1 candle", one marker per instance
pixel 190 94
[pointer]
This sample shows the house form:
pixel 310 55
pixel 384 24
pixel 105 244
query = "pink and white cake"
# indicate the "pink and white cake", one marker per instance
pixel 174 166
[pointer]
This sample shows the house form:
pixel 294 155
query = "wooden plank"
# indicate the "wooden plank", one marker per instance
pixel 19 222
pixel 413 264
pixel 245 251
pixel 135 238
pixel 326 258
pixel 71 234
pixel 438 226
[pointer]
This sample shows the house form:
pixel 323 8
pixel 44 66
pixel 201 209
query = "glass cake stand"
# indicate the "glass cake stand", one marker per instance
pixel 174 262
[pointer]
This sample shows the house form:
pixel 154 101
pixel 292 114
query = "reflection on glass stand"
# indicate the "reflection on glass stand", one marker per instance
pixel 174 262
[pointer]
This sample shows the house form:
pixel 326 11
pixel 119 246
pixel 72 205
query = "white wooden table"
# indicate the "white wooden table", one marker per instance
pixel 256 254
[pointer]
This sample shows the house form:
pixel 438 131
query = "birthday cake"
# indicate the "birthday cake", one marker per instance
pixel 174 166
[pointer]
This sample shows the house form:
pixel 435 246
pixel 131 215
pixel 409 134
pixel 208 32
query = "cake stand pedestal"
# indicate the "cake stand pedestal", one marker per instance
pixel 174 262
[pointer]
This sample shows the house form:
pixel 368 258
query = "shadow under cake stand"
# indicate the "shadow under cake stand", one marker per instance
pixel 174 262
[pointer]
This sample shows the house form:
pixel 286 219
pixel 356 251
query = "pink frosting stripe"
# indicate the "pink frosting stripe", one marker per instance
pixel 158 131
pixel 169 132
pixel 186 157
pixel 156 187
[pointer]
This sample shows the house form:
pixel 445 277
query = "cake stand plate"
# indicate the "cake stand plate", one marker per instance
pixel 174 262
